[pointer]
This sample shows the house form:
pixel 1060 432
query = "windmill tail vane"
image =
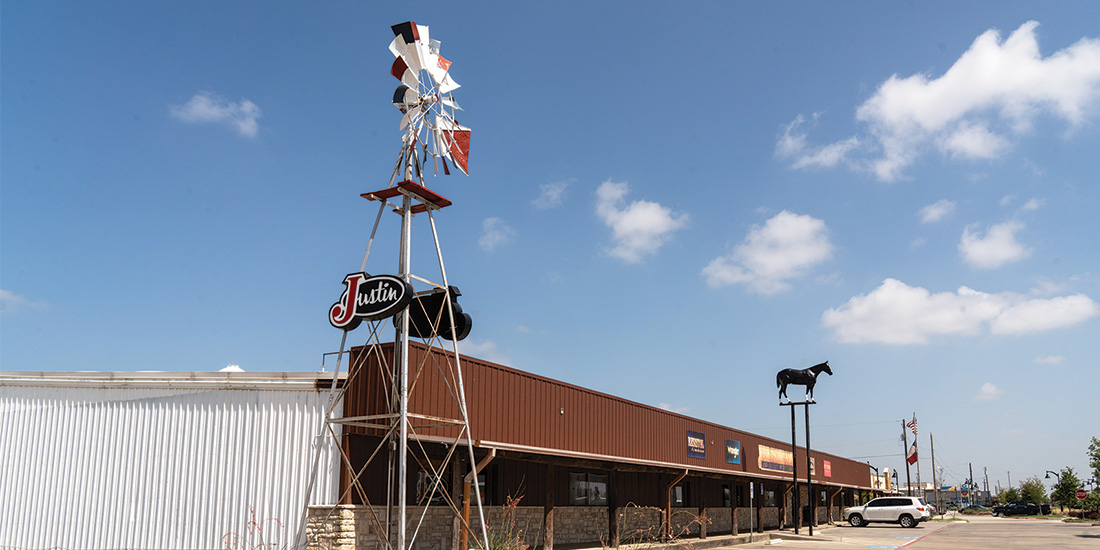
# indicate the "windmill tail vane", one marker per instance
pixel 426 104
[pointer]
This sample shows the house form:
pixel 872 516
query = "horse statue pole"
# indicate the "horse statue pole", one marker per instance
pixel 803 377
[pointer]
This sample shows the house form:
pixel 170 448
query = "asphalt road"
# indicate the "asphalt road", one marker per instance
pixel 978 532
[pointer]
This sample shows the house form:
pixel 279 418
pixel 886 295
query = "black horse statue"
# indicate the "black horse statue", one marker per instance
pixel 801 377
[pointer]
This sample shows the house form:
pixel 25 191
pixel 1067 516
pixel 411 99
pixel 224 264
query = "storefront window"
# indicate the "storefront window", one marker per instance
pixel 727 496
pixel 587 489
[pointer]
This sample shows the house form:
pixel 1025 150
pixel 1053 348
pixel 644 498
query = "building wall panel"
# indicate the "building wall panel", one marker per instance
pixel 108 463
pixel 518 408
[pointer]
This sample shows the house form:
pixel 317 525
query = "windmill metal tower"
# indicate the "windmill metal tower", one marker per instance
pixel 424 313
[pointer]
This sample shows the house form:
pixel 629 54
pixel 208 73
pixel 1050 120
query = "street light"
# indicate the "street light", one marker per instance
pixel 1058 477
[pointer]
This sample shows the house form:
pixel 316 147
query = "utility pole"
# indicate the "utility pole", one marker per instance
pixel 1009 480
pixel 985 474
pixel 935 485
pixel 972 484
pixel 904 454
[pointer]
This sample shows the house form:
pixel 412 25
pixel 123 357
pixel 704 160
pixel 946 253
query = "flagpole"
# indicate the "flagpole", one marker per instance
pixel 915 446
pixel 905 457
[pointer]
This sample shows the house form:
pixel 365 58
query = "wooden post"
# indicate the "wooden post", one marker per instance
pixel 783 507
pixel 613 508
pixel 831 500
pixel 733 508
pixel 760 509
pixel 702 509
pixel 668 504
pixel 548 509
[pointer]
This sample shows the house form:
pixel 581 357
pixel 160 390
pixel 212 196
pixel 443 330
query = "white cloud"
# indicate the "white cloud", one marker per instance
pixel 996 88
pixel 1031 205
pixel 937 211
pixel 988 392
pixel 784 248
pixel 792 144
pixel 638 229
pixel 895 313
pixel 670 408
pixel 495 232
pixel 996 248
pixel 1049 360
pixel 12 303
pixel 486 350
pixel 552 194
pixel 206 107
pixel 973 140
pixel 1041 314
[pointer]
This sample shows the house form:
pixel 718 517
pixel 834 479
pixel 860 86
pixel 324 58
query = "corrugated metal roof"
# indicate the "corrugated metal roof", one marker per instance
pixel 159 460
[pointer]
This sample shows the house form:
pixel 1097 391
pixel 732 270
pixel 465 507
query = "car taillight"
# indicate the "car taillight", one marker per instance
pixel 920 508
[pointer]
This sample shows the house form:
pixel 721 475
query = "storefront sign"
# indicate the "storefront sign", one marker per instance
pixel 697 444
pixel 828 469
pixel 775 460
pixel 733 451
pixel 369 298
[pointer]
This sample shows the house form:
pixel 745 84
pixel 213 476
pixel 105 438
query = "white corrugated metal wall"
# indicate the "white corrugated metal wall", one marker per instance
pixel 165 461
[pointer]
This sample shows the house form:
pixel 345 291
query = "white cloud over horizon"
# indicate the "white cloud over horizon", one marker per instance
pixel 988 392
pixel 495 233
pixel 996 248
pixel 1049 360
pixel 786 247
pixel 552 194
pixel 898 314
pixel 937 211
pixel 638 229
pixel 486 350
pixel 207 107
pixel 12 303
pixel 988 98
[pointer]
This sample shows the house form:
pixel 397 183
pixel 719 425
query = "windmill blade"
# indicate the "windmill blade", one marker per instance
pixel 450 102
pixel 456 139
pixel 401 71
pixel 405 98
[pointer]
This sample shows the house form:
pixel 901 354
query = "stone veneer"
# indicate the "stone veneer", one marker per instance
pixel 347 527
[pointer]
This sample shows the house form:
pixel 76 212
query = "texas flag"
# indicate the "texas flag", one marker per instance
pixel 911 456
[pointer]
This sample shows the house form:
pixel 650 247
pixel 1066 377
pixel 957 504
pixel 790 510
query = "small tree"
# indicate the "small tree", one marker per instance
pixel 1010 495
pixel 1033 490
pixel 1094 458
pixel 1064 493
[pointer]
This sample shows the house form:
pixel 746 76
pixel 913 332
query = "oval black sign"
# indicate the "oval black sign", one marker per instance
pixel 369 298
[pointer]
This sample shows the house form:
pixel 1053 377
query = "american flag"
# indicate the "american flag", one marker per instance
pixel 913 424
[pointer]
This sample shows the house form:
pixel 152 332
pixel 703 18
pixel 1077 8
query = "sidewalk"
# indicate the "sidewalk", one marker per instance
pixel 714 541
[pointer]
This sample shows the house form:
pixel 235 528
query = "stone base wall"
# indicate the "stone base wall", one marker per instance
pixel 640 524
pixel 720 520
pixel 347 527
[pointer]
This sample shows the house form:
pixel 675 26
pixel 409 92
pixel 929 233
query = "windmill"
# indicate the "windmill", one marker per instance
pixel 424 313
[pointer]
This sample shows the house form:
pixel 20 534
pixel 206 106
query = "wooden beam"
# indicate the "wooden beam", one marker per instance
pixel 548 508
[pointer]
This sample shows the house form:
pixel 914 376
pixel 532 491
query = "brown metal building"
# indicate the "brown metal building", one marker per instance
pixel 603 465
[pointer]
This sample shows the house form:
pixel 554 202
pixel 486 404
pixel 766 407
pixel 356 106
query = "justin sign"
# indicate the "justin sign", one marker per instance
pixel 369 298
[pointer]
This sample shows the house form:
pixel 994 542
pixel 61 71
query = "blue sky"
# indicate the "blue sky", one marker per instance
pixel 668 202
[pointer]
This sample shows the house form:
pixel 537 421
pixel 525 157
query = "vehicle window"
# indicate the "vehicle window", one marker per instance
pixel 922 502
pixel 878 502
pixel 900 502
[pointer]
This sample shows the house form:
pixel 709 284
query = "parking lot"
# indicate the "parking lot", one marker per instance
pixel 977 532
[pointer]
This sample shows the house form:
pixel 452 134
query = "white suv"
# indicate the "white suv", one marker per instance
pixel 905 511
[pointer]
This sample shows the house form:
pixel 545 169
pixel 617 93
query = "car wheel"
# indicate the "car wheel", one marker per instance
pixel 907 521
pixel 856 520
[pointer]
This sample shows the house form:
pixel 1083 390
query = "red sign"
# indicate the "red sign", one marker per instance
pixel 1081 494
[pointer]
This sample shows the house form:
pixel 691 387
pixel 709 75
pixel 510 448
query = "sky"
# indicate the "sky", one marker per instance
pixel 667 202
